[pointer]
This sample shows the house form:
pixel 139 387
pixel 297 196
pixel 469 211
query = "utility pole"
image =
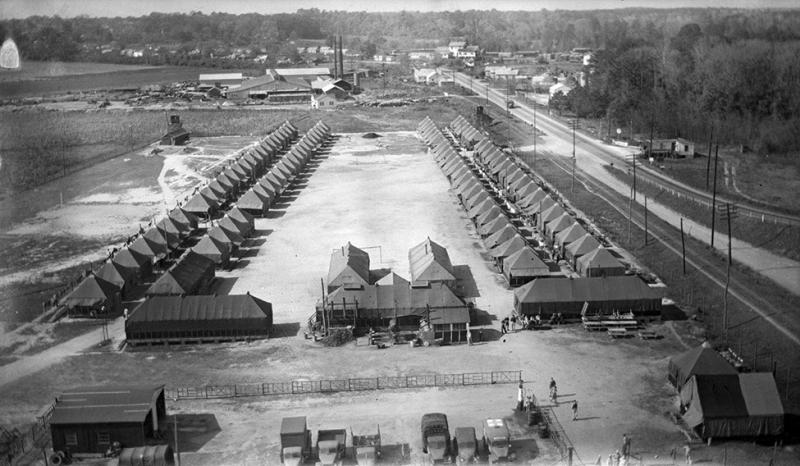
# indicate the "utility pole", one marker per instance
pixel 574 125
pixel 708 162
pixel 534 135
pixel 729 213
pixel 683 248
pixel 645 220
pixel 630 214
pixel 714 196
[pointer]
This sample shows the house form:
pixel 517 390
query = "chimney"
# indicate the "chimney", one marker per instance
pixel 335 59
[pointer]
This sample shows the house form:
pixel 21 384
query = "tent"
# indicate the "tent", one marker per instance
pixel 131 259
pixel 500 237
pixel 524 266
pixel 192 274
pixel 733 405
pixel 580 247
pixel 599 263
pixel 214 249
pixel 509 247
pixel 702 360
pixel 123 278
pixel 93 296
pixel 603 296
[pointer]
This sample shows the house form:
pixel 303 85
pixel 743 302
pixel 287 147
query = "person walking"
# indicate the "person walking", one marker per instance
pixel 575 410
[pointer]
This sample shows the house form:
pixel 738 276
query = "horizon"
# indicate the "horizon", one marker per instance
pixel 20 9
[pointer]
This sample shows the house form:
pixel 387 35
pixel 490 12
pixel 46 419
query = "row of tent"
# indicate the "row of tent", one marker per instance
pixel 223 240
pixel 717 401
pixel 545 293
pixel 258 199
pixel 103 291
pixel 560 230
pixel 239 174
pixel 517 260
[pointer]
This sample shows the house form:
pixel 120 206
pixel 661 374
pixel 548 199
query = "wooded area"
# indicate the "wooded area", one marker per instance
pixel 680 70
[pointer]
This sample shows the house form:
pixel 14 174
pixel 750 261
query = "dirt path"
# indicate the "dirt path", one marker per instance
pixel 32 364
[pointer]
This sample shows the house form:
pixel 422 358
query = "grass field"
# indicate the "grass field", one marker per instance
pixel 33 70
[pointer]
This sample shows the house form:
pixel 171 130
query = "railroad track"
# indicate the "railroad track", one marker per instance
pixel 598 150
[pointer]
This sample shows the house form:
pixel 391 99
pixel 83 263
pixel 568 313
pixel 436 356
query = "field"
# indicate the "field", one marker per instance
pixel 34 70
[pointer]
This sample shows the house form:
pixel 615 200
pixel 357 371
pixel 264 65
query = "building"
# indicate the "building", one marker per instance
pixel 349 268
pixel 221 80
pixel 124 278
pixel 301 72
pixel 192 274
pixel 429 263
pixel 702 360
pixel 523 266
pixel 90 419
pixel 183 319
pixel 454 47
pixel 559 87
pixel 599 263
pixel 568 296
pixel 425 75
pixel 176 135
pixel 323 101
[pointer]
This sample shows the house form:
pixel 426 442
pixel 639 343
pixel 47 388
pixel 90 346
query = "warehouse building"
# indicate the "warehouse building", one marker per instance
pixel 186 319
pixel 90 419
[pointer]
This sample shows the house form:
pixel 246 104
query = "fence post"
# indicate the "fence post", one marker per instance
pixel 205 390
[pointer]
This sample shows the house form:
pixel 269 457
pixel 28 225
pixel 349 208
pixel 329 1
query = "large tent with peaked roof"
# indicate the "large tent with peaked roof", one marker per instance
pixel 599 263
pixel 92 297
pixel 524 266
pixel 733 405
pixel 215 250
pixel 124 278
pixel 702 360
pixel 199 318
pixel 192 274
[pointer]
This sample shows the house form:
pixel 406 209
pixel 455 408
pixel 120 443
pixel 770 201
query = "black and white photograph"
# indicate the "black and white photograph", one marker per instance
pixel 361 233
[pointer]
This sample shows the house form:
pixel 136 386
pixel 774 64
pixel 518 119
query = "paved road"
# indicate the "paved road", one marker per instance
pixel 592 156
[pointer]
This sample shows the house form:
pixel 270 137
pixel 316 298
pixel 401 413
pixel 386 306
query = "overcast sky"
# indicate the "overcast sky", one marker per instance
pixel 68 8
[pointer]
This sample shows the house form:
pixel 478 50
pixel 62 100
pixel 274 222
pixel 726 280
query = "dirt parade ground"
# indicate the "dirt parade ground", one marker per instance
pixel 384 195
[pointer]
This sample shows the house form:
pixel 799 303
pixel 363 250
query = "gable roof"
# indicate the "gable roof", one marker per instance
pixel 129 258
pixel 348 257
pixel 582 245
pixel 568 290
pixel 525 262
pixel 599 258
pixel 509 247
pixel 700 360
pixel 90 292
pixel 200 307
pixel 429 261
pixel 184 276
pixel 116 274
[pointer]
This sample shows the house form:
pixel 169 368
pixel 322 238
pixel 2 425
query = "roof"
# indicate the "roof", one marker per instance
pixel 116 274
pixel 91 291
pixel 293 425
pixel 701 360
pixel 130 259
pixel 429 261
pixel 760 394
pixel 583 245
pixel 220 77
pixel 200 307
pixel 570 234
pixel 600 258
pixel 184 276
pixel 567 290
pixel 399 298
pixel 348 256
pixel 449 316
pixel 509 247
pixel 525 261
pixel 316 71
pixel 106 405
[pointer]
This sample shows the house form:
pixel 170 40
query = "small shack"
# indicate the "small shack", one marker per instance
pixel 176 135
pixel 91 419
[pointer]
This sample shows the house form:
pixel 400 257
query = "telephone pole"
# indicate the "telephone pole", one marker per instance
pixel 714 196
pixel 574 126
pixel 534 135
pixel 729 212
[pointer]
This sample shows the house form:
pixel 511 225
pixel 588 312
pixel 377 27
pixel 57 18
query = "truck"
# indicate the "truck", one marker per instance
pixel 466 444
pixel 367 448
pixel 331 445
pixel 295 441
pixel 497 440
pixel 435 436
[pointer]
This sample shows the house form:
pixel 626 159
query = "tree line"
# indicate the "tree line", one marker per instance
pixel 679 71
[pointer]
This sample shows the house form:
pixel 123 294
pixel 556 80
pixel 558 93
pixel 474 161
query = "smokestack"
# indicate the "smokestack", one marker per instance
pixel 335 59
pixel 341 59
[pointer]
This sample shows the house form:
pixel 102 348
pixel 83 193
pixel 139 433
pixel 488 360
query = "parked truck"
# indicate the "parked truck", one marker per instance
pixel 497 440
pixel 466 444
pixel 367 448
pixel 295 441
pixel 435 436
pixel 331 445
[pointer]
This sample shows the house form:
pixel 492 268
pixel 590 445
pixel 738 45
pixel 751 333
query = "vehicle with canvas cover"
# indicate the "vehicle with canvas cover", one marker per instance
pixel 435 436
pixel 367 448
pixel 331 445
pixel 466 444
pixel 295 441
pixel 497 440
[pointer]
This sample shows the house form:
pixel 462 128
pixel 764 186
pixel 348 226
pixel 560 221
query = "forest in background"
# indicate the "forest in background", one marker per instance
pixel 679 71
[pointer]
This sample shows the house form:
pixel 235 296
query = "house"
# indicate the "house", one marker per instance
pixel 221 80
pixel 455 46
pixel 89 420
pixel 559 87
pixel 176 135
pixel 323 101
pixel 425 75
pixel 683 147
pixel 468 52
pixel 179 319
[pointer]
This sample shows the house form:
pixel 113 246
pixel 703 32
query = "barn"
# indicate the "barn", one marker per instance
pixel 90 419
pixel 182 319
pixel 603 295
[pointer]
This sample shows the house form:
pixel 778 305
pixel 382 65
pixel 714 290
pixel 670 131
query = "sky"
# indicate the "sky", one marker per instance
pixel 70 8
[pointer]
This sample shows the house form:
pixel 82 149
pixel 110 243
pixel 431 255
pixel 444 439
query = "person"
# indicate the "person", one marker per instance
pixel 626 446
pixel 520 397
pixel 553 391
pixel 513 323
pixel 687 451
pixel 575 410
pixel 469 335
pixel 503 327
